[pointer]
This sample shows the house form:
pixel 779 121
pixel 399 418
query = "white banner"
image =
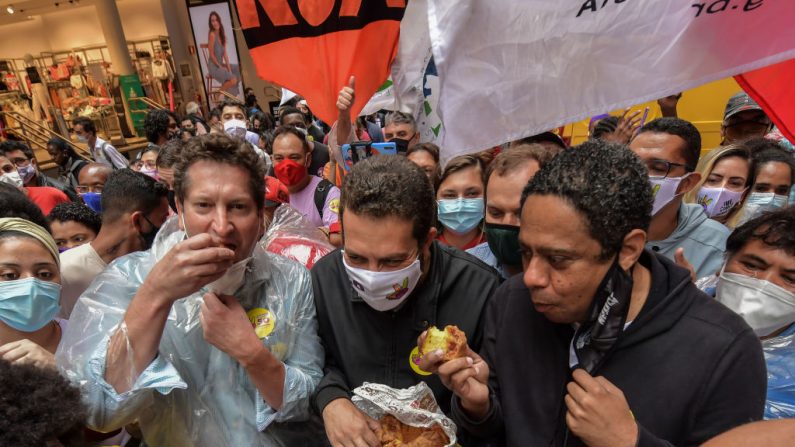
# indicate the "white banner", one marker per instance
pixel 513 68
pixel 415 89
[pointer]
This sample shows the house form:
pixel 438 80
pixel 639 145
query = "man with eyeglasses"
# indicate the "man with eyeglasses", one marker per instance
pixel 743 119
pixel 91 181
pixel 27 165
pixel 670 148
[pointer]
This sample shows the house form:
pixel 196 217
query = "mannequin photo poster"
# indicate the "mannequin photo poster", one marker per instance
pixel 218 57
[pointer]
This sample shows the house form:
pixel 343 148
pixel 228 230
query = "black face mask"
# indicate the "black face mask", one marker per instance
pixel 172 201
pixel 504 243
pixel 149 236
pixel 597 337
pixel 401 144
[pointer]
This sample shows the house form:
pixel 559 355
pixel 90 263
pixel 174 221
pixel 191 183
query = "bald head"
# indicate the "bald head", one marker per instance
pixel 93 176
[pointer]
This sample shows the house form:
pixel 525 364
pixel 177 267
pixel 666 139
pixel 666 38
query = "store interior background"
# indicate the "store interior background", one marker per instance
pixel 39 26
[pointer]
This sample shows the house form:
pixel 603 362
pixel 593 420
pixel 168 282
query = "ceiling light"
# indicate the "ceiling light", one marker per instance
pixel 10 9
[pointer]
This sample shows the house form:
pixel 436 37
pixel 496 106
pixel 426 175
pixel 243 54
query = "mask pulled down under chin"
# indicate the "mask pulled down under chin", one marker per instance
pixel 232 280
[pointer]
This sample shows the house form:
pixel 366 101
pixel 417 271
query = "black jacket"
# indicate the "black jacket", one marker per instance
pixel 363 344
pixel 688 366
pixel 57 184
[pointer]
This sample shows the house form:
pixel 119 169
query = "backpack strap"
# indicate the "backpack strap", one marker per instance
pixel 321 193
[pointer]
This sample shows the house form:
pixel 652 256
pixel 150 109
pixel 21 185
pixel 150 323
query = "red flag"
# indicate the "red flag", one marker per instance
pixel 773 87
pixel 313 47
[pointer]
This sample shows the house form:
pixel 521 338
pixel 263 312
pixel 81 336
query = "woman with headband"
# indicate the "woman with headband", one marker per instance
pixel 30 291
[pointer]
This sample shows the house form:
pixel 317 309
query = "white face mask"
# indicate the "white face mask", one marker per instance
pixel 718 201
pixel 235 128
pixel 664 191
pixel 384 290
pixel 12 178
pixel 82 139
pixel 765 306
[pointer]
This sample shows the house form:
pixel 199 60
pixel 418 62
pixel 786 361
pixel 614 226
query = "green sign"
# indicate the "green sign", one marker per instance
pixel 131 88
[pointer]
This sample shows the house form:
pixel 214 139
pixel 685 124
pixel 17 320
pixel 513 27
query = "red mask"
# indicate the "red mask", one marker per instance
pixel 289 172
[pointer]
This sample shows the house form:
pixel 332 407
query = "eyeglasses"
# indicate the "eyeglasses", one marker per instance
pixel 661 168
pixel 82 189
pixel 749 125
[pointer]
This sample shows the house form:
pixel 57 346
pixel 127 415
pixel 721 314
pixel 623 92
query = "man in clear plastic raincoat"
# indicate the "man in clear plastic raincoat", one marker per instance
pixel 206 339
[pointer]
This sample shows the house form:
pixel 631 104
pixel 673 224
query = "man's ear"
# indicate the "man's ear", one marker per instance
pixel 135 221
pixel 632 248
pixel 689 183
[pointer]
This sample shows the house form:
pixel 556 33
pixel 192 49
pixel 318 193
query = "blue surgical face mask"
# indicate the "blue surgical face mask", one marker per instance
pixel 758 203
pixel 460 215
pixel 769 199
pixel 28 304
pixel 93 200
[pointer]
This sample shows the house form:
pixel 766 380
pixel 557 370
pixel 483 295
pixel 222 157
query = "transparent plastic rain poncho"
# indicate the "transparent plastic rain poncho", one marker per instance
pixel 780 359
pixel 293 236
pixel 193 394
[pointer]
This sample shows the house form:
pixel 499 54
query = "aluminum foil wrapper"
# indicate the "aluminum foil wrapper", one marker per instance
pixel 413 406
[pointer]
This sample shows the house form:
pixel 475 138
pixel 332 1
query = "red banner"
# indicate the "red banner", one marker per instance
pixel 313 47
pixel 773 87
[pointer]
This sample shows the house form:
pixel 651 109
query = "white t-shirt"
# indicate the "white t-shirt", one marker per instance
pixel 79 266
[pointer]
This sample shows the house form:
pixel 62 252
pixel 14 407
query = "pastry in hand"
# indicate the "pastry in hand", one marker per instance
pixel 451 341
pixel 396 434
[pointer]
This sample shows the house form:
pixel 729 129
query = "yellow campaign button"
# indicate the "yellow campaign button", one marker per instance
pixel 262 321
pixel 414 362
pixel 334 206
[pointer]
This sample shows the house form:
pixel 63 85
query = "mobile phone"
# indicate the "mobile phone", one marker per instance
pixel 359 150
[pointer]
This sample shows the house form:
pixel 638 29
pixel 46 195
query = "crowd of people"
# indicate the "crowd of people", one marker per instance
pixel 628 291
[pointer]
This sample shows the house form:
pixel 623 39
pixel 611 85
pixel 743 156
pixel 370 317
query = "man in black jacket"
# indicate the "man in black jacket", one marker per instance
pixel 600 342
pixel 391 282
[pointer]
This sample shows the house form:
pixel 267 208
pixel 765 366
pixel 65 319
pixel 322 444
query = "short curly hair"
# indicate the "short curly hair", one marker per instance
pixel 606 183
pixel 37 406
pixel 76 212
pixel 390 185
pixel 220 148
pixel 156 123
